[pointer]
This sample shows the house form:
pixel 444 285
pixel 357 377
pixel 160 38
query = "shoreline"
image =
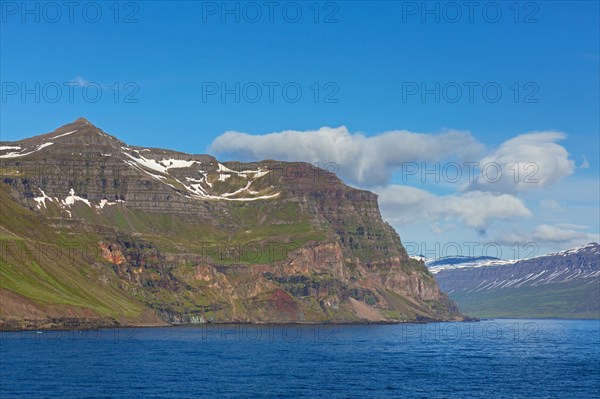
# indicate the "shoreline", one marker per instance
pixel 227 323
pixel 271 324
pixel 104 326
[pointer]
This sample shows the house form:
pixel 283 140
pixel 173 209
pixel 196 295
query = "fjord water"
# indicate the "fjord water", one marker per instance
pixel 495 358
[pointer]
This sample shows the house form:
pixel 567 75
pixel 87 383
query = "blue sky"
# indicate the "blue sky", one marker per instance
pixel 363 60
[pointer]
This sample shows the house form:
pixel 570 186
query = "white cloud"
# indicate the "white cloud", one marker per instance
pixel 368 161
pixel 546 233
pixel 523 163
pixel 439 228
pixel 529 163
pixel 552 236
pixel 550 204
pixel 573 226
pixel 475 209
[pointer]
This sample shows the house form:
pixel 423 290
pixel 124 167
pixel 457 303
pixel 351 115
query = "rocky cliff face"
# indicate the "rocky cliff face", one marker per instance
pixel 188 239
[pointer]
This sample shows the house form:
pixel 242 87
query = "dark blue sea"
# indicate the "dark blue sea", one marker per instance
pixel 488 359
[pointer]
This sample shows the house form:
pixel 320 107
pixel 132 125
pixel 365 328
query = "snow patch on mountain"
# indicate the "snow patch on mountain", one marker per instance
pixel 461 262
pixel 21 154
pixel 587 247
pixel 72 198
pixel 42 200
pixel 176 163
pixel 148 163
pixel 64 134
pixel 195 186
pixel 104 202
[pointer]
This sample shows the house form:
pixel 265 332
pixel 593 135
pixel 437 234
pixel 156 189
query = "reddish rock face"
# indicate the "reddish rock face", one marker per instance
pixel 284 302
pixel 111 254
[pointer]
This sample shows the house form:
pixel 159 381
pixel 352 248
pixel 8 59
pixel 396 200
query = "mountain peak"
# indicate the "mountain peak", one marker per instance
pixel 77 137
pixel 82 120
pixel 79 123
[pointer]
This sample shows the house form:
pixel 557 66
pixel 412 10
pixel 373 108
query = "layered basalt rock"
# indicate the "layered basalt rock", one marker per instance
pixel 192 239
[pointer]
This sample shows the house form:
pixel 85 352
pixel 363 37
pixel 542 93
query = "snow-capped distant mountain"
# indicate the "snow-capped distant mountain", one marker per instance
pixel 454 260
pixel 558 284
pixel 459 262
pixel 592 248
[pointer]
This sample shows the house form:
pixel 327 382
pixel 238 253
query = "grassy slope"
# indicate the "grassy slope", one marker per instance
pixel 52 268
pixel 559 300
pixel 72 281
pixel 256 222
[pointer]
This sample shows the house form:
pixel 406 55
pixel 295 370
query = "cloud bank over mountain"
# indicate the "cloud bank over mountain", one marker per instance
pixel 363 160
pixel 449 178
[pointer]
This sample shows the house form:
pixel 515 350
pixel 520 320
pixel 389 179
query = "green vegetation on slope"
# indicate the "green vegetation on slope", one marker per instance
pixel 559 300
pixel 53 268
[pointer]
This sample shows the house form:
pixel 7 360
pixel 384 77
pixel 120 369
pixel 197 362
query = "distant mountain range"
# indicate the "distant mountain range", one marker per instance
pixel 459 262
pixel 561 284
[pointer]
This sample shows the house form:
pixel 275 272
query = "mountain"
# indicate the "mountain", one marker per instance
pixel 458 262
pixel 561 284
pixel 459 259
pixel 95 232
